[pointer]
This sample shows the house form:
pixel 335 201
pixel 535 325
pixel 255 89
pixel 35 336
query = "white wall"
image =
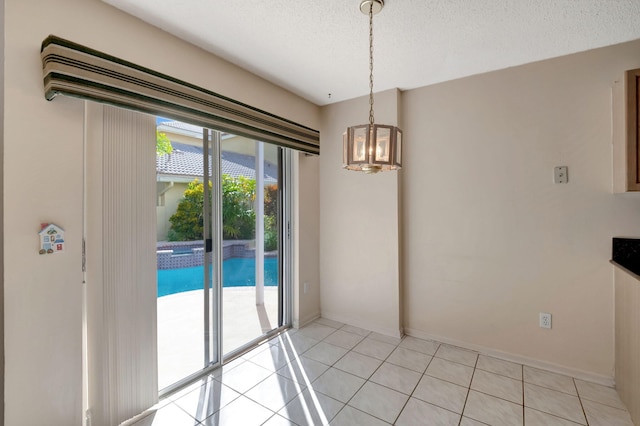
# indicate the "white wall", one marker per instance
pixel 489 240
pixel 359 238
pixel 43 183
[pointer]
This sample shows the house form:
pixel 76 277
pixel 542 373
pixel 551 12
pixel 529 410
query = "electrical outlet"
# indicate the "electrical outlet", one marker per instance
pixel 561 174
pixel 545 320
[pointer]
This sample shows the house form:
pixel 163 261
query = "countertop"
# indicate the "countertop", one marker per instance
pixel 625 253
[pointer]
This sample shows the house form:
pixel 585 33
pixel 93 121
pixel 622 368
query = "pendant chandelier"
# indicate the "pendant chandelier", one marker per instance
pixel 372 148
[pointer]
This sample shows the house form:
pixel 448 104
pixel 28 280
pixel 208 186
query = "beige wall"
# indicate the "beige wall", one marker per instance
pixel 489 240
pixel 359 239
pixel 43 169
pixel 307 305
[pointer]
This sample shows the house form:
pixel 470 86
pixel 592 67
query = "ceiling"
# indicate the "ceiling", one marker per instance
pixel 319 49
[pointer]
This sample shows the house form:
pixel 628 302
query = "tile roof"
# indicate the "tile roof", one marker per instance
pixel 186 160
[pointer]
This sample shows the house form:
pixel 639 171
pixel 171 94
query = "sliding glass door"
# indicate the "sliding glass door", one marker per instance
pixel 220 243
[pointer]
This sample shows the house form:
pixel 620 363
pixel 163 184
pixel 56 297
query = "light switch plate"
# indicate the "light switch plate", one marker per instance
pixel 560 174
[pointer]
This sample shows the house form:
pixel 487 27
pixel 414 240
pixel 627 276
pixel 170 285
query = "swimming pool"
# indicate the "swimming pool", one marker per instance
pixel 236 272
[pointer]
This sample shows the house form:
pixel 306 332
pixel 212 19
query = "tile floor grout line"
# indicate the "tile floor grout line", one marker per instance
pixel 584 413
pixel 369 414
pixel 414 389
pixel 554 415
pixel 262 405
pixel 484 393
pixel 361 386
pixel 498 374
pixel 448 381
pixel 523 410
pixel 602 403
pixel 551 389
pixel 464 406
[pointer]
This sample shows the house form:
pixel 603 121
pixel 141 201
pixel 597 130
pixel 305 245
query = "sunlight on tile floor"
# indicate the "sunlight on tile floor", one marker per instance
pixel 330 373
pixel 181 327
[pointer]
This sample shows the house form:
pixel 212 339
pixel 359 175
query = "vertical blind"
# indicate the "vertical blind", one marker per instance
pixel 121 264
pixel 75 70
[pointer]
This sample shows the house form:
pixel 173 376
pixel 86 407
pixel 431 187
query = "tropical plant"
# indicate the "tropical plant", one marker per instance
pixel 271 200
pixel 187 222
pixel 270 217
pixel 163 144
pixel 270 233
pixel 238 215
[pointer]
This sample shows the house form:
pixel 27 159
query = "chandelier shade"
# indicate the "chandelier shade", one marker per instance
pixel 372 148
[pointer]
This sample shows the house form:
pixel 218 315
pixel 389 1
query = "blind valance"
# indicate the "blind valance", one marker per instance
pixel 75 70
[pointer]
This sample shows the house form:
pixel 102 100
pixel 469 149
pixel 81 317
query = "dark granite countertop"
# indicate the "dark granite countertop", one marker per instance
pixel 626 253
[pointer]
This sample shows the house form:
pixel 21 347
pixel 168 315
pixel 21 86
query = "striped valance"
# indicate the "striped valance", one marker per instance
pixel 75 70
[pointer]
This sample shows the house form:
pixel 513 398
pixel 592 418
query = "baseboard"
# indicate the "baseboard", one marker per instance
pixel 345 319
pixel 301 322
pixel 600 379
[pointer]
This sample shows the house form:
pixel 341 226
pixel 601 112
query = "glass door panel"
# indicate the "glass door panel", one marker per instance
pixel 250 218
pixel 184 266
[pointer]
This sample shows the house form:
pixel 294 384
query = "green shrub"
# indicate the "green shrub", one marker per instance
pixel 238 215
pixel 187 222
pixel 163 144
pixel 271 200
pixel 270 233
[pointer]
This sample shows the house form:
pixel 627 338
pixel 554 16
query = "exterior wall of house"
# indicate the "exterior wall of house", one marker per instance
pixel 488 240
pixel 43 164
pixel 247 146
pixel 171 200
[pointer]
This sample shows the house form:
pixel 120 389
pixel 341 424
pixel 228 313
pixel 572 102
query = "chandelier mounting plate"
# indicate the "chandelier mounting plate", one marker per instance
pixel 365 5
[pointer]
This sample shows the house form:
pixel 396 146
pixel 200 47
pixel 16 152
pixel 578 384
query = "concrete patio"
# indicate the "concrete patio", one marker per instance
pixel 181 327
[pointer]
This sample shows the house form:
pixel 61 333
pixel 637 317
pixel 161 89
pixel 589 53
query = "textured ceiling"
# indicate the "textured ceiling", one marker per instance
pixel 314 48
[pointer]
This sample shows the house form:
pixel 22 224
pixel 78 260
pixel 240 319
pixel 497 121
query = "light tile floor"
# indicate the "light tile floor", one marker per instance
pixel 330 373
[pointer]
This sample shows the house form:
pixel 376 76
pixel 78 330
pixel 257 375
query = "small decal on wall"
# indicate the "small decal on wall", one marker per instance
pixel 51 239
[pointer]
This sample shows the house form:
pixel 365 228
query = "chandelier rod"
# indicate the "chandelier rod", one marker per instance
pixel 371 120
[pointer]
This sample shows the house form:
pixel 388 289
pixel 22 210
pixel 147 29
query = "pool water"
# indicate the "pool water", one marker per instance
pixel 236 272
